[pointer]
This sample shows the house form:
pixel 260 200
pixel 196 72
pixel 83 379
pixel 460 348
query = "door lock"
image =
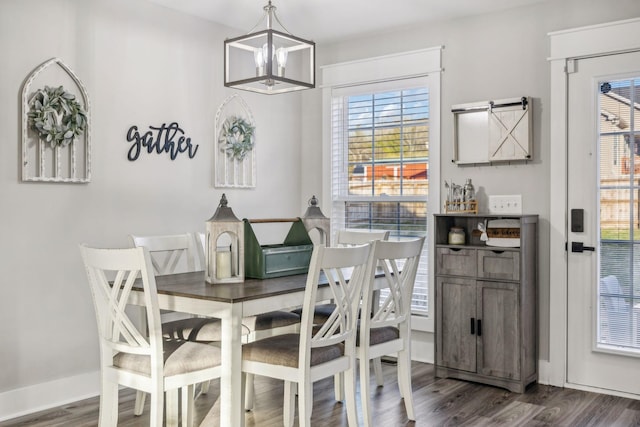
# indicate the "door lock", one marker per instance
pixel 580 247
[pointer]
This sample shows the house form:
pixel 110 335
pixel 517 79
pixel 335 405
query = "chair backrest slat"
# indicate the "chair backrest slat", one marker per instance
pixel 359 237
pixel 398 261
pixel 112 273
pixel 331 265
pixel 169 252
pixel 201 251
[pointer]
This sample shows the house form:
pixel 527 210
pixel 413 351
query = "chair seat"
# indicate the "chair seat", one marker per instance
pixel 284 350
pixel 380 335
pixel 207 330
pixel 180 357
pixel 271 320
pixel 197 329
pixel 321 313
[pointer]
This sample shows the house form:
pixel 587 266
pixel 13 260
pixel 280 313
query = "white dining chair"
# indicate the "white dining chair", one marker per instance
pixel 388 329
pixel 346 238
pixel 141 358
pixel 176 253
pixel 170 254
pixel 201 244
pixel 254 327
pixel 318 351
pixel 350 237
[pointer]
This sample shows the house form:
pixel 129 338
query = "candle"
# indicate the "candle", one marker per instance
pixel 223 264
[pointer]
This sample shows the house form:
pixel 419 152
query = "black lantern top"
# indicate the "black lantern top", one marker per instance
pixel 313 211
pixel 223 212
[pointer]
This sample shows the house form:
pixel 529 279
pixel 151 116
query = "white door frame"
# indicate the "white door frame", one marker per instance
pixel 567 45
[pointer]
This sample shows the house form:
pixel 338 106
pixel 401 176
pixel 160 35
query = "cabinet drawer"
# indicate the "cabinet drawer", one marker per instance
pixel 457 262
pixel 497 264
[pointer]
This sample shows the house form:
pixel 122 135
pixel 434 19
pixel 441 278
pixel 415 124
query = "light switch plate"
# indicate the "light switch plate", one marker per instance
pixel 505 204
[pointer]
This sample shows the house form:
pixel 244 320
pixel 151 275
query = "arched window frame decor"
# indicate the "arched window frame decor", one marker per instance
pixel 70 163
pixel 234 168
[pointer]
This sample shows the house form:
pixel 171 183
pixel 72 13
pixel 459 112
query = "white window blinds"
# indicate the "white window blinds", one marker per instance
pixel 379 164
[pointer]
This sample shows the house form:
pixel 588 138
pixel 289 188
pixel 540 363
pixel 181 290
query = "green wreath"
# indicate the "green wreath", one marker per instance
pixel 236 137
pixel 56 116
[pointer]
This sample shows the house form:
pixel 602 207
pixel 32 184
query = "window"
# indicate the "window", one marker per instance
pixel 379 167
pixel 619 291
pixel 380 150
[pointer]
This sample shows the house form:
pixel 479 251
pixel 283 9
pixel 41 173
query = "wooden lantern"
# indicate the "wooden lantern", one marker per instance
pixel 314 218
pixel 224 246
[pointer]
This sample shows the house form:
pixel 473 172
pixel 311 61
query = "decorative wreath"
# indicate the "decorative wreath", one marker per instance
pixel 56 116
pixel 236 137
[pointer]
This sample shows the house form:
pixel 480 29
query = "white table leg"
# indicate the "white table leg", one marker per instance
pixel 231 411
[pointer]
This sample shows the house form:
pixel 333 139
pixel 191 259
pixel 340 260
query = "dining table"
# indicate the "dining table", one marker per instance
pixel 229 302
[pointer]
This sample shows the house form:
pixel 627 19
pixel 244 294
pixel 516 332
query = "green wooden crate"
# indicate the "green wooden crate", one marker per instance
pixel 284 259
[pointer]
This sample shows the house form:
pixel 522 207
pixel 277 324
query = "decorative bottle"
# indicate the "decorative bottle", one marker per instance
pixel 469 194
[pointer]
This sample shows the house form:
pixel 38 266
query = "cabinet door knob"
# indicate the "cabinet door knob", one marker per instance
pixel 479 327
pixel 473 326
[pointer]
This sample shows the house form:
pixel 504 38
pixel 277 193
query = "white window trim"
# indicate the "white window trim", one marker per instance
pixel 419 63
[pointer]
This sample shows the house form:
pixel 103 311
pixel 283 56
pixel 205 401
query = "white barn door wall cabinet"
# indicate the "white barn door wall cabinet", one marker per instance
pixel 493 131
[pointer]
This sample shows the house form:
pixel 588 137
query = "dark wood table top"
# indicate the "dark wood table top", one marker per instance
pixel 194 285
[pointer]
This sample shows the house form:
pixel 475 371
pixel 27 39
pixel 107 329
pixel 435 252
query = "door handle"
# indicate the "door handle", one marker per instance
pixel 580 247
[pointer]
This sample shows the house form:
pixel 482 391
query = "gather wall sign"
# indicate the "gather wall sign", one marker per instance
pixel 169 139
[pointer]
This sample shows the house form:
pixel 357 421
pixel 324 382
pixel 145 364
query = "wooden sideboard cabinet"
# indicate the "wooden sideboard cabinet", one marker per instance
pixel 486 304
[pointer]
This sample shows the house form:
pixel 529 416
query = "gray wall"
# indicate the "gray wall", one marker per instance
pixel 492 56
pixel 142 65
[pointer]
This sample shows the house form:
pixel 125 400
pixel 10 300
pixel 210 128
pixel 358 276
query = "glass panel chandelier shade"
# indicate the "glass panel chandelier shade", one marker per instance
pixel 269 61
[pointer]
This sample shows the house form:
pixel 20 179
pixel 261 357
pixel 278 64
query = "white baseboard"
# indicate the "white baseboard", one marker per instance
pixel 38 397
pixel 422 346
pixel 602 391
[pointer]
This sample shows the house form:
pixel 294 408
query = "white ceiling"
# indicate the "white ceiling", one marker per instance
pixel 329 20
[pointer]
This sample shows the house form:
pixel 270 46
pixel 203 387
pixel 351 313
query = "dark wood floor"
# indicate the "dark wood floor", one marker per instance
pixel 438 402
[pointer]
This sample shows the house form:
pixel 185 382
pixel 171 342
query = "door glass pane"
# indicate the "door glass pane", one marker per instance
pixel 619 154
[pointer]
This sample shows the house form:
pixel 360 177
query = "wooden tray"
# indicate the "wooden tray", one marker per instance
pixel 470 206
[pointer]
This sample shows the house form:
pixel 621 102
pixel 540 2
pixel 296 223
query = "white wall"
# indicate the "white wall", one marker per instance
pixel 142 65
pixel 492 56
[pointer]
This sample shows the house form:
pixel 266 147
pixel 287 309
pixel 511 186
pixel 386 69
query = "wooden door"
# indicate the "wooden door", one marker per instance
pixel 456 311
pixel 499 333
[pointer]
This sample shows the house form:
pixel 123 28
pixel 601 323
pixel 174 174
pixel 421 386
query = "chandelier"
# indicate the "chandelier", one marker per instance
pixel 269 61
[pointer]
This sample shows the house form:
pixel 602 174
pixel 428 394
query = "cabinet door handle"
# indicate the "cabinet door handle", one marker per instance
pixel 479 327
pixel 473 326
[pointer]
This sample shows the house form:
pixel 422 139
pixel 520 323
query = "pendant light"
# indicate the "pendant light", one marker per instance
pixel 269 61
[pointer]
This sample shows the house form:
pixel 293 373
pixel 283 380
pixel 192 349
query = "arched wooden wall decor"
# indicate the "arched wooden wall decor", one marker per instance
pixel 56 134
pixel 234 151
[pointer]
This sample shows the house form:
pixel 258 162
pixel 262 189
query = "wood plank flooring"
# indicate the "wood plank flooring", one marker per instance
pixel 438 402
